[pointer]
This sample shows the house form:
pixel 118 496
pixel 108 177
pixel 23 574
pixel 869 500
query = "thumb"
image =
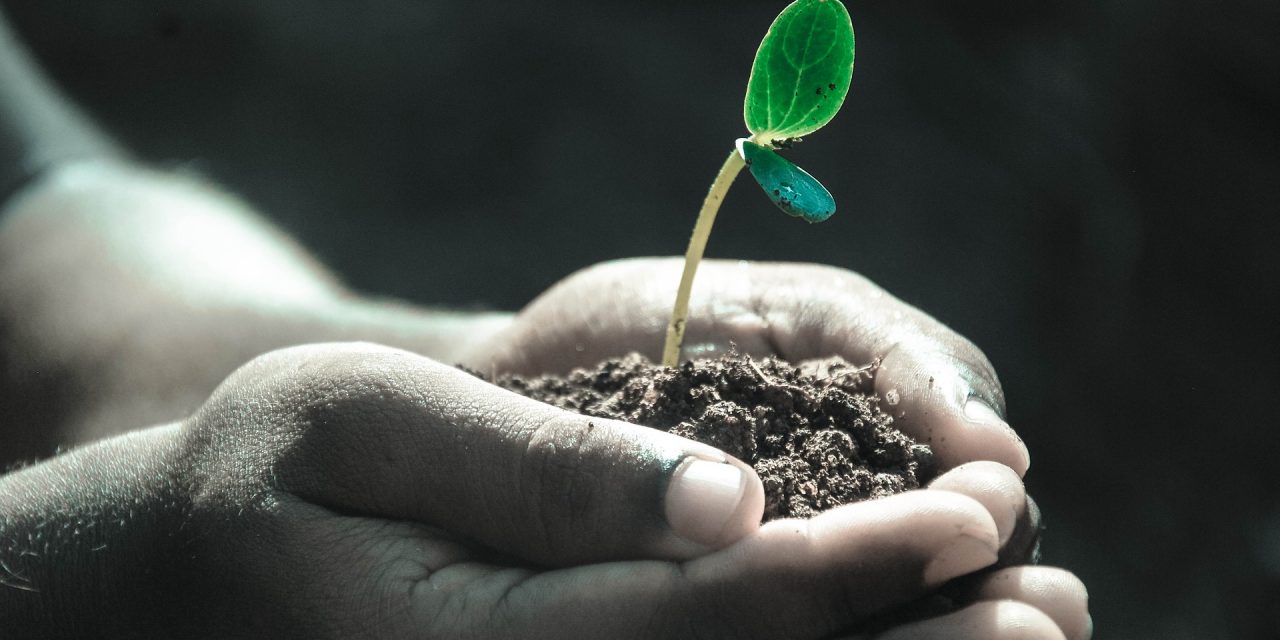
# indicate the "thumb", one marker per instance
pixel 406 437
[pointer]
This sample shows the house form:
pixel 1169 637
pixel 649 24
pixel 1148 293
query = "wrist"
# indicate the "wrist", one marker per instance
pixel 90 540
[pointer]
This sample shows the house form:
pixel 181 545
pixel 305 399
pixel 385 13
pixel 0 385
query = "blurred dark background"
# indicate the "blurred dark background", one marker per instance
pixel 1088 190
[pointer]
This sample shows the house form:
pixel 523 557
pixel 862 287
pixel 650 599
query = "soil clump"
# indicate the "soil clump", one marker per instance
pixel 815 433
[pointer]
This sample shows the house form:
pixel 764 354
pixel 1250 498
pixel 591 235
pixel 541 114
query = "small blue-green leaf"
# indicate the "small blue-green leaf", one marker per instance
pixel 791 188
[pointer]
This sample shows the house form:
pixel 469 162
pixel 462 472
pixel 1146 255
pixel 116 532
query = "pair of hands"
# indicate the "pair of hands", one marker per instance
pixel 358 491
pixel 354 490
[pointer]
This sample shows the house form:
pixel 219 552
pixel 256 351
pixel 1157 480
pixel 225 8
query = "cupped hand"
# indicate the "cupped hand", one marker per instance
pixel 360 491
pixel 939 387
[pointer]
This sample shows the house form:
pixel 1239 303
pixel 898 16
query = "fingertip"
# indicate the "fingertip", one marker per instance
pixel 997 487
pixel 851 562
pixel 972 543
pixel 940 513
pixel 946 534
pixel 982 416
pixel 1057 593
pixel 965 554
pixel 944 402
pixel 1013 619
pixel 982 621
pixel 713 504
pixel 1023 546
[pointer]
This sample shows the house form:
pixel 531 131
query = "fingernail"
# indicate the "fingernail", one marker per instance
pixel 702 498
pixel 965 555
pixel 978 411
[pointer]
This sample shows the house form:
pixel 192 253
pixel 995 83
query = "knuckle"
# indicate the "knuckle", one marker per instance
pixel 356 371
pixel 304 376
pixel 330 392
pixel 281 411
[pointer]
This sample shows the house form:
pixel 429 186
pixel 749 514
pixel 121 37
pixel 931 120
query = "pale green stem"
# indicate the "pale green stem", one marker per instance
pixel 693 255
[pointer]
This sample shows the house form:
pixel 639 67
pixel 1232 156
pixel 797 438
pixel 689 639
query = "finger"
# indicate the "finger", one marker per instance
pixel 1017 518
pixel 378 431
pixel 791 578
pixel 999 620
pixel 1057 593
pixel 995 487
pixel 1024 546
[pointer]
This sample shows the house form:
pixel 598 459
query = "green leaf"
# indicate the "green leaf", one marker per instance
pixel 802 71
pixel 791 188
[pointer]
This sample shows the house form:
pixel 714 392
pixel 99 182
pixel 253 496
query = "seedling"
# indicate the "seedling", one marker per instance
pixel 798 82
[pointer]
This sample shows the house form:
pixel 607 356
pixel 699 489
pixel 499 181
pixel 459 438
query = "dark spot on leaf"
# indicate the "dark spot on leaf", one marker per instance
pixel 832 86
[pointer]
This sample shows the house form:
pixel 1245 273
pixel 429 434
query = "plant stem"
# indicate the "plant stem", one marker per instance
pixel 693 255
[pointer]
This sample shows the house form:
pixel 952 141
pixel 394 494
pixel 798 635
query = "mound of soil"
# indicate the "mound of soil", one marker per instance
pixel 815 433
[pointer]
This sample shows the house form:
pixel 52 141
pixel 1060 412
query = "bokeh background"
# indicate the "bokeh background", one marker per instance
pixel 1088 190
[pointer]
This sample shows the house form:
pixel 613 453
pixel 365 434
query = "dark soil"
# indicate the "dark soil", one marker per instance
pixel 815 433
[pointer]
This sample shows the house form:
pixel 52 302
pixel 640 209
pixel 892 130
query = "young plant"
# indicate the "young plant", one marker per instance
pixel 798 81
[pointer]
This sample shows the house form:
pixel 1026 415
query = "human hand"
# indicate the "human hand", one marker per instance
pixel 938 386
pixel 356 491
